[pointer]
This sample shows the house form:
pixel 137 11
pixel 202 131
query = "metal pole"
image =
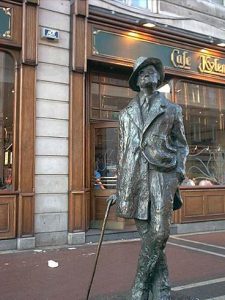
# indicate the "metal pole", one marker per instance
pixel 99 246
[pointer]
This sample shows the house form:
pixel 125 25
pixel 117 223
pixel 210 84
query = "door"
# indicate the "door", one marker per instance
pixel 104 149
pixel 109 94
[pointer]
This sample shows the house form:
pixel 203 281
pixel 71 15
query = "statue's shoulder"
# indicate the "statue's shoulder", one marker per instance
pixel 170 104
pixel 130 106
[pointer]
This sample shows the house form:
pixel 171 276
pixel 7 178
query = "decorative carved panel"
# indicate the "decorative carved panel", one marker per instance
pixel 193 206
pixel 202 205
pixel 7 217
pixel 215 204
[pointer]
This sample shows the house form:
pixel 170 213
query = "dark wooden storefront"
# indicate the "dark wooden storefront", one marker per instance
pixel 18 49
pixel 111 45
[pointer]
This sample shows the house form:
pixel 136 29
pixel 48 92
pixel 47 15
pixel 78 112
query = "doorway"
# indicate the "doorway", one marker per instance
pixel 109 94
pixel 104 148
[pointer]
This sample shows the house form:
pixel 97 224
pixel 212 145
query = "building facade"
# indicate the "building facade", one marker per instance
pixel 64 78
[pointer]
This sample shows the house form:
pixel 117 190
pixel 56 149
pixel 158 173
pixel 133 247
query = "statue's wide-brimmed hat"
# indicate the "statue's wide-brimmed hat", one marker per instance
pixel 139 64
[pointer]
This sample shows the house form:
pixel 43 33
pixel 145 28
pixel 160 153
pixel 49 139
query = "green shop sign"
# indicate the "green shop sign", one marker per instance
pixel 128 47
pixel 5 22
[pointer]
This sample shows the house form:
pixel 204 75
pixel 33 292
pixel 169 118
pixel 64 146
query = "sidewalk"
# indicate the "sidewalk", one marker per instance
pixel 196 265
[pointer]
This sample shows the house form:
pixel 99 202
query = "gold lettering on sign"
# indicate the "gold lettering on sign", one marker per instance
pixel 180 59
pixel 211 65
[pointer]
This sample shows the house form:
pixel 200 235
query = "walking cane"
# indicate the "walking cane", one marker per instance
pixel 110 201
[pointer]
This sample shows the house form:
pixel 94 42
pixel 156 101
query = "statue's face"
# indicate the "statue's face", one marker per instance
pixel 148 77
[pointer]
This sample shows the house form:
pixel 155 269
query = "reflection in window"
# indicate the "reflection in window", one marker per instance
pixel 6 119
pixel 203 112
pixel 166 90
pixel 137 3
pixel 108 97
pixel 221 2
pixel 105 168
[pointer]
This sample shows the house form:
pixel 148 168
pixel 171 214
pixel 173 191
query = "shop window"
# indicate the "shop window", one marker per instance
pixel 203 113
pixel 105 169
pixel 166 90
pixel 6 119
pixel 109 96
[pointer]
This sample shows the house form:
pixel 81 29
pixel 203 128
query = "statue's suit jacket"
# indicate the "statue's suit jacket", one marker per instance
pixel 158 144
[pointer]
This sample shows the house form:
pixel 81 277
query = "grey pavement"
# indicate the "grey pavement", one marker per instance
pixel 196 264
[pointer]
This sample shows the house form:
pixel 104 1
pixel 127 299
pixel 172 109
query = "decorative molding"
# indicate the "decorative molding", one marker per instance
pixel 32 2
pixel 6 14
pixel 81 8
pixel 79 32
pixel 29 36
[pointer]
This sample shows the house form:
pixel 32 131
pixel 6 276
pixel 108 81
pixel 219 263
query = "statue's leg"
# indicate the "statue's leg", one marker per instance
pixel 152 272
pixel 164 187
pixel 161 285
pixel 153 243
pixel 141 288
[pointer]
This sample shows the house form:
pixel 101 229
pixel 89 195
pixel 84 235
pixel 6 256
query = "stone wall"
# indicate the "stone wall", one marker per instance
pixel 52 113
pixel 200 16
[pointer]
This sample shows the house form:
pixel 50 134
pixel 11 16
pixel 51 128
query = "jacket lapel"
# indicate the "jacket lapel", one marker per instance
pixel 158 107
pixel 134 112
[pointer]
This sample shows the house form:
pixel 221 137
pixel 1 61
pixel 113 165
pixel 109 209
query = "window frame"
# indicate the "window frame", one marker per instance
pixel 150 4
pixel 103 79
pixel 204 85
pixel 16 25
pixel 15 56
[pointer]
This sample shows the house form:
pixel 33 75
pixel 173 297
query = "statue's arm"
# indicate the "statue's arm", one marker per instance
pixel 180 142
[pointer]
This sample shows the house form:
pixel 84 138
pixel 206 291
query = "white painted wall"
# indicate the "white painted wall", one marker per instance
pixel 52 113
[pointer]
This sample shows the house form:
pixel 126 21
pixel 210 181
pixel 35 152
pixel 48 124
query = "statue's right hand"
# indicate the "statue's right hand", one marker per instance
pixel 111 199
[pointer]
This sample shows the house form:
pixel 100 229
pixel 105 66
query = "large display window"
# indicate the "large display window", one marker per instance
pixel 204 111
pixel 7 75
pixel 203 107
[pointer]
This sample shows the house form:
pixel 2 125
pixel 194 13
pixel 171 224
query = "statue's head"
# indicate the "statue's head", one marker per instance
pixel 146 64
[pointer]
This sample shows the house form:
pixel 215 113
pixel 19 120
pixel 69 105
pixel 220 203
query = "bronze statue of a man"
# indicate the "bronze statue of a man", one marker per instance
pixel 152 155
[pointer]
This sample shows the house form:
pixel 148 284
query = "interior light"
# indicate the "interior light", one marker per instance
pixel 219 42
pixel 204 51
pixel 147 23
pixel 222 44
pixel 133 34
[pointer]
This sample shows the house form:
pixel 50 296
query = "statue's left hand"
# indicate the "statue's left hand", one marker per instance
pixel 111 199
pixel 180 177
